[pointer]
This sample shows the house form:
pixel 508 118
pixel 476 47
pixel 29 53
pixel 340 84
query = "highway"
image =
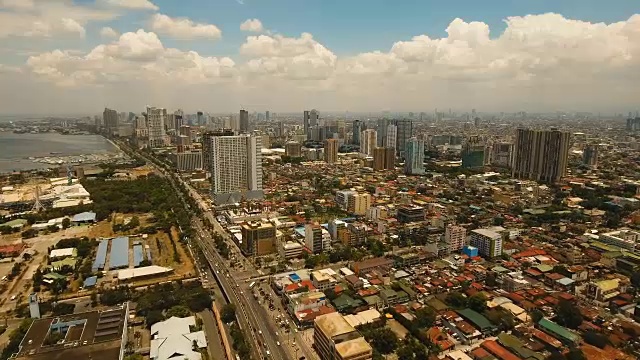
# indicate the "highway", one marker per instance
pixel 254 324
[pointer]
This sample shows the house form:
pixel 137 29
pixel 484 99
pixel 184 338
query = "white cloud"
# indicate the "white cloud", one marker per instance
pixel 252 25
pixel 48 18
pixel 183 28
pixel 133 57
pixel 133 4
pixel 108 32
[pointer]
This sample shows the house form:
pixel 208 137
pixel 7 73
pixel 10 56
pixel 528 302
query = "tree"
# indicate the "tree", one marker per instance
pixel 568 314
pixel 635 279
pixel 596 339
pixel 536 315
pixel 456 299
pixel 576 354
pixel 425 317
pixel 556 356
pixel 178 311
pixel 477 302
pixel 58 286
pixel 153 317
pixel 66 222
pixel 384 340
pixel 228 313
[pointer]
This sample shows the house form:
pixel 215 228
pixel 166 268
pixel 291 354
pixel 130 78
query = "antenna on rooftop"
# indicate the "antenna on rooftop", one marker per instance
pixel 37 205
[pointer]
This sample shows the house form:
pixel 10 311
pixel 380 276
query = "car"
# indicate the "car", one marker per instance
pixel 278 343
pixel 276 333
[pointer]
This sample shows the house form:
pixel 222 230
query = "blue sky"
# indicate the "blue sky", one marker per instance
pixel 362 56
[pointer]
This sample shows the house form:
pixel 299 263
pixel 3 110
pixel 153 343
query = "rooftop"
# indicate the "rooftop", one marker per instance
pixel 351 348
pixel 333 324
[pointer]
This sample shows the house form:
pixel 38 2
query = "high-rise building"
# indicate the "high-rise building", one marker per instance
pixel 189 160
pixel 455 236
pixel 178 118
pixel 405 132
pixel 590 155
pixel 488 242
pixel 414 157
pixel 368 142
pixel 156 119
pixel 356 131
pixel 313 237
pixel 110 120
pixel 476 122
pixel 541 155
pixel 330 151
pixel 391 141
pixel 336 339
pixel 633 124
pixel 244 121
pixel 310 120
pixel 358 203
pixel 384 158
pixel 293 149
pixel 200 119
pixel 258 238
pixel 207 143
pixel 473 153
pixel 267 115
pixel 502 154
pixel 235 163
pixel 383 125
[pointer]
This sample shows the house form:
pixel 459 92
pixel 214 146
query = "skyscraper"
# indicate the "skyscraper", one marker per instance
pixel 235 163
pixel 502 154
pixel 267 115
pixel 244 121
pixel 156 119
pixel 310 120
pixel 200 118
pixel 541 155
pixel 331 150
pixel 414 157
pixel 384 158
pixel 207 144
pixel 383 125
pixel 405 132
pixel 391 141
pixel 473 153
pixel 356 130
pixel 590 155
pixel 110 120
pixel 368 142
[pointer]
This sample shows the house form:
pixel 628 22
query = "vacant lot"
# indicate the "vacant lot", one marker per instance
pixel 162 253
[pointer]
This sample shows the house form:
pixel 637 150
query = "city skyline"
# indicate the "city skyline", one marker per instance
pixel 222 56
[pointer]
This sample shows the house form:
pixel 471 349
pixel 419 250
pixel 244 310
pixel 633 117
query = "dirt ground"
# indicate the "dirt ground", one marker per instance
pixel 163 256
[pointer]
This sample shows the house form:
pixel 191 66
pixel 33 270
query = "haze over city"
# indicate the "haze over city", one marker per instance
pixel 63 56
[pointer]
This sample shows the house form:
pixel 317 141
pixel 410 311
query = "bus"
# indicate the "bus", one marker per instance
pixel 252 285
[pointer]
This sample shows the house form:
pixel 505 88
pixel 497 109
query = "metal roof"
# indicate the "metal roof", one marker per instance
pixel 101 256
pixel 119 257
pixel 476 318
pixel 84 216
pixel 90 282
pixel 138 256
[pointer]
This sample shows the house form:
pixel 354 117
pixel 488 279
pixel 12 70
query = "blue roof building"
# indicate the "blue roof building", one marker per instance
pixel 84 217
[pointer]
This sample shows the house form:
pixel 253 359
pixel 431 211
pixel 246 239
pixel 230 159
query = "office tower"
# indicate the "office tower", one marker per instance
pixel 384 158
pixel 502 154
pixel 488 242
pixel 368 141
pixel 473 153
pixel 405 132
pixel 258 238
pixel 358 204
pixel 293 149
pixel 455 236
pixel 476 122
pixel 310 120
pixel 541 155
pixel 336 339
pixel 633 124
pixel 414 157
pixel 156 118
pixel 267 116
pixel 207 144
pixel 383 125
pixel 178 118
pixel 97 122
pixel 391 141
pixel 330 151
pixel 590 155
pixel 235 163
pixel 110 120
pixel 281 129
pixel 200 121
pixel 244 121
pixel 356 131
pixel 313 237
pixel 189 160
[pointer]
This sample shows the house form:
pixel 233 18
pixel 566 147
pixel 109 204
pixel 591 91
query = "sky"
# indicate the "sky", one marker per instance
pixel 79 56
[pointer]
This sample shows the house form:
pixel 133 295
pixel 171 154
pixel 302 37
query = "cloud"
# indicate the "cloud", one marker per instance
pixel 252 25
pixel 133 4
pixel 539 62
pixel 108 32
pixel 134 56
pixel 183 28
pixel 47 19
